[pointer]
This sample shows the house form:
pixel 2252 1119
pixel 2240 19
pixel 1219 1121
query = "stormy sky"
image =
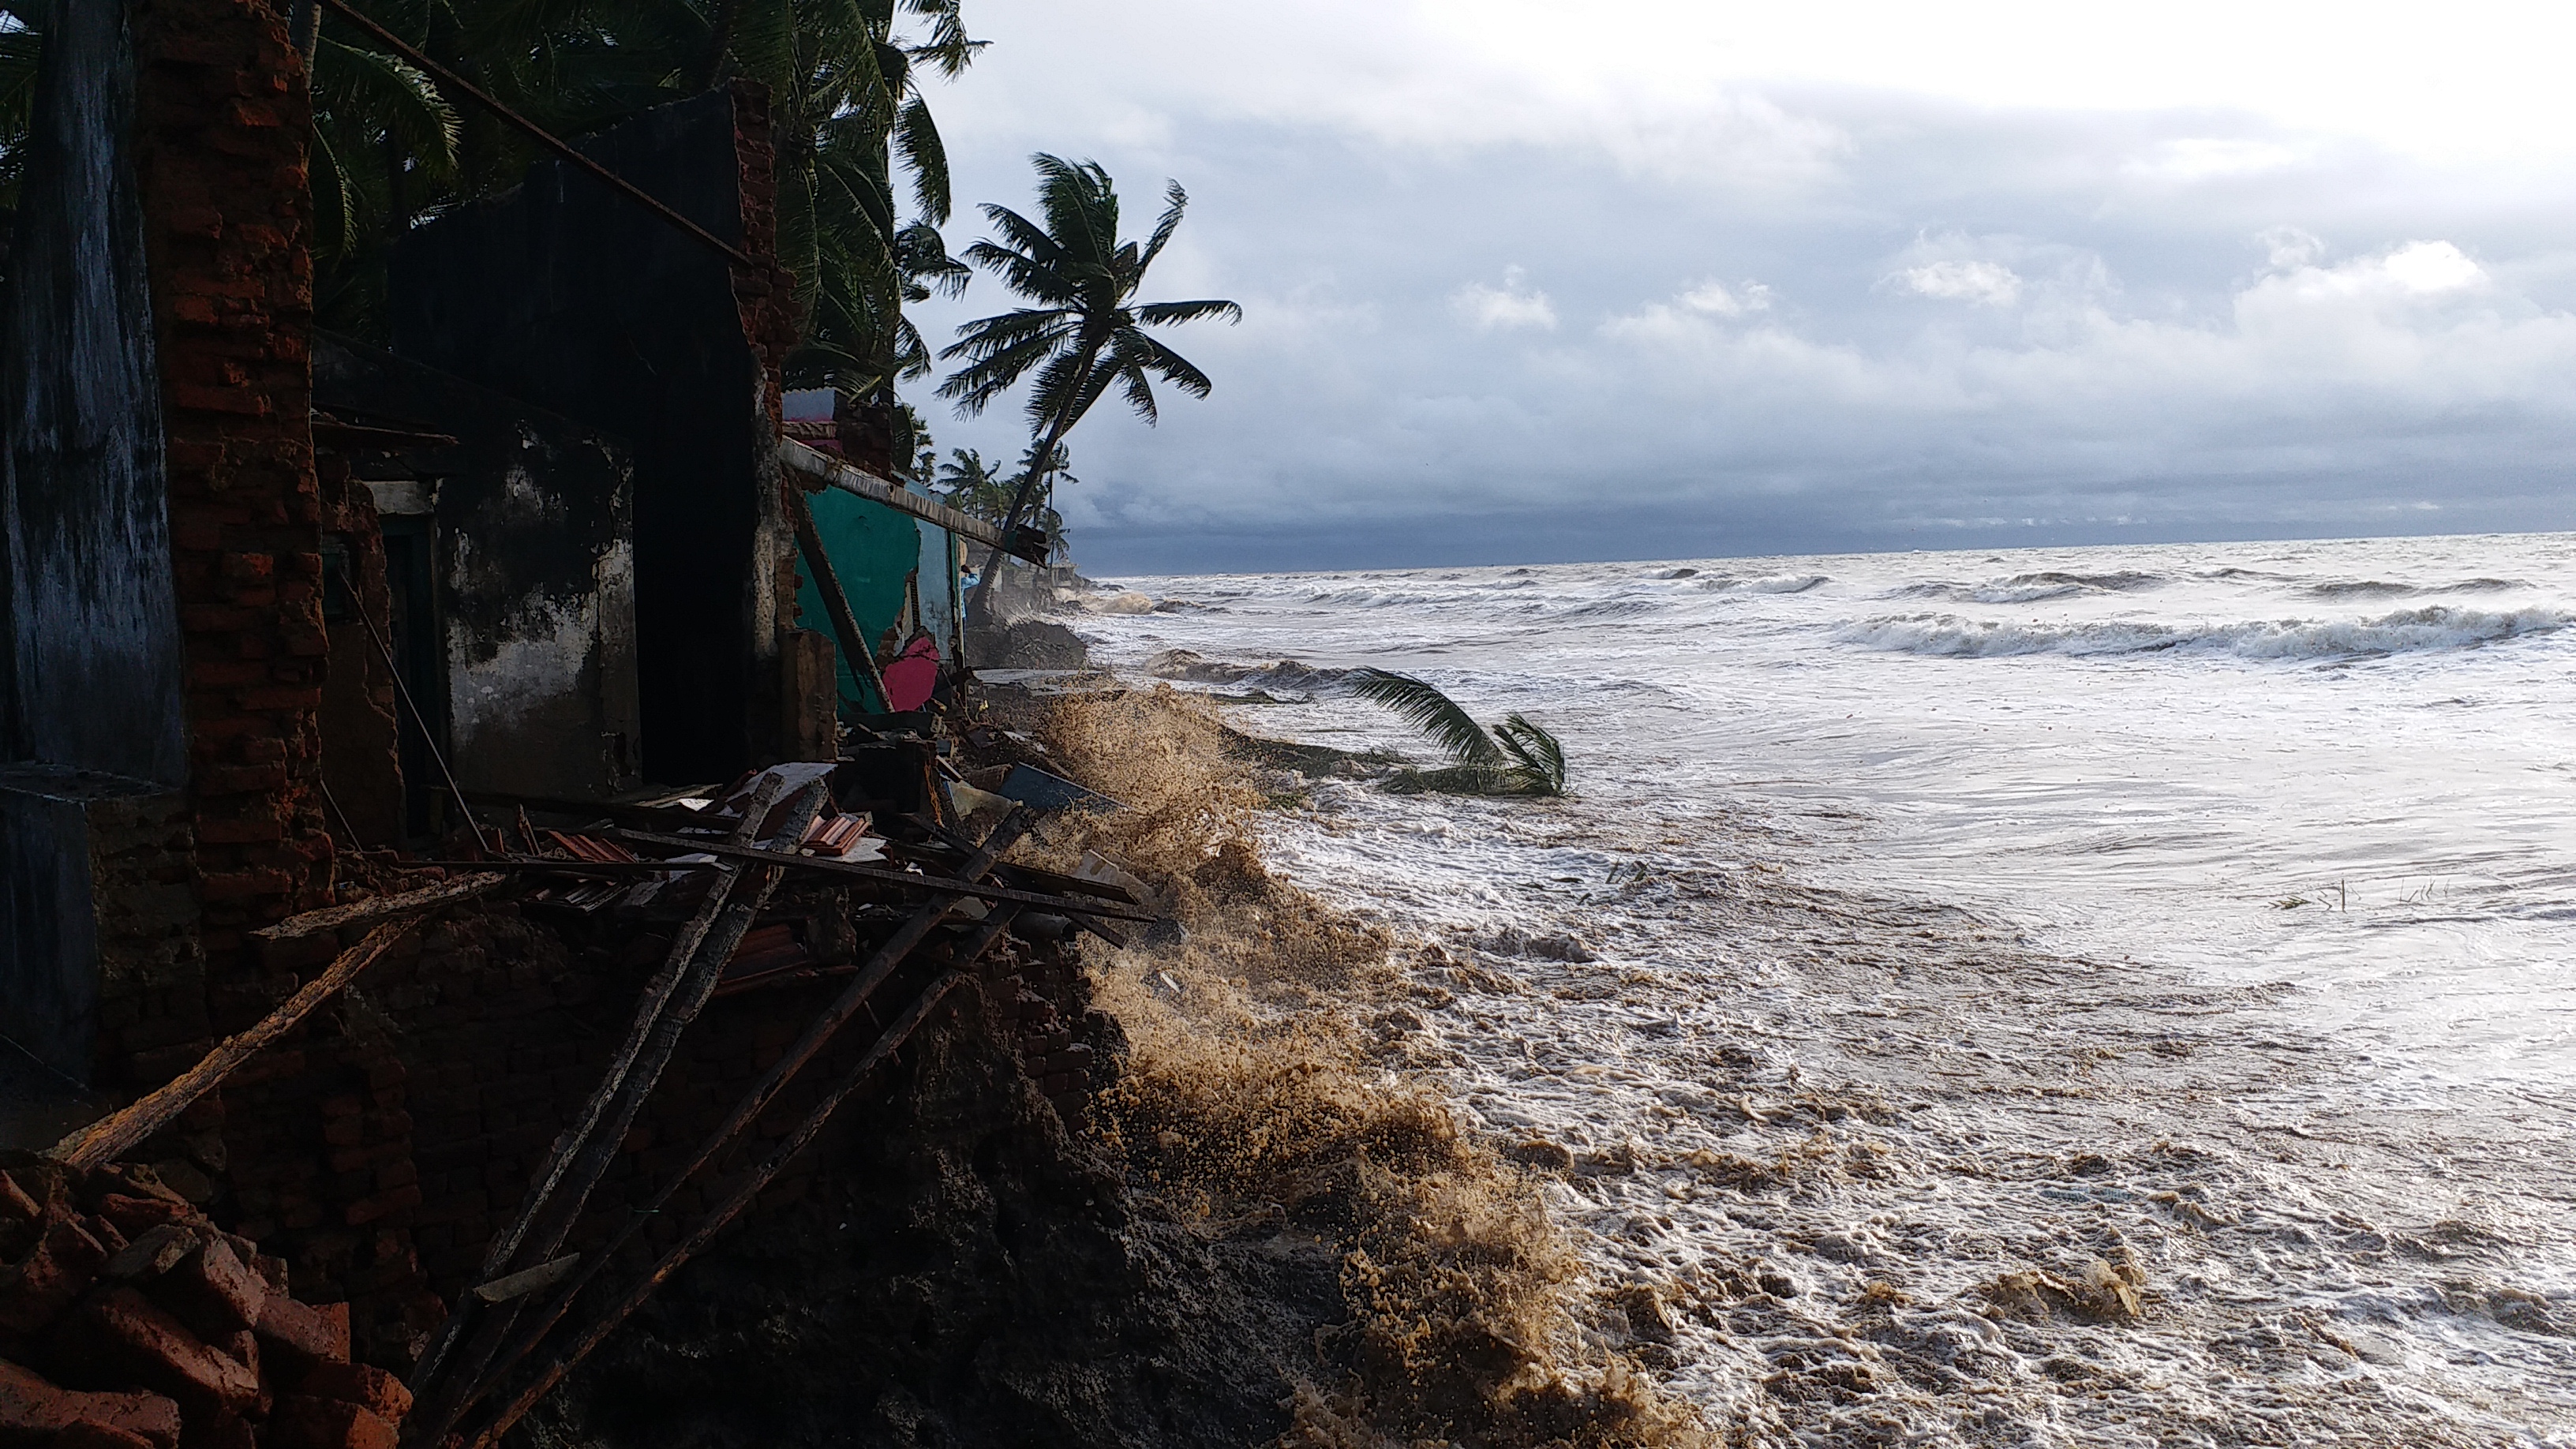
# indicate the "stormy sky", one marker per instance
pixel 1534 283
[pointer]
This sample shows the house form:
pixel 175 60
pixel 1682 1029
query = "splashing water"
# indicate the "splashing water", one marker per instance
pixel 2106 996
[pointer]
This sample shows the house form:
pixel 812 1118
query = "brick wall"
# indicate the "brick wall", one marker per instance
pixel 221 121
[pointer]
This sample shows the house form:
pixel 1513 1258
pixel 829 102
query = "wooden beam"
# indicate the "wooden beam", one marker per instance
pixel 376 908
pixel 850 478
pixel 942 885
pixel 745 1190
pixel 574 1161
pixel 103 1141
pixel 817 1035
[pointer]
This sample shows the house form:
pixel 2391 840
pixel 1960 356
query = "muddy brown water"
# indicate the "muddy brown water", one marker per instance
pixel 1854 1167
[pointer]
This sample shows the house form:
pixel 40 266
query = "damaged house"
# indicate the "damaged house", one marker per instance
pixel 278 603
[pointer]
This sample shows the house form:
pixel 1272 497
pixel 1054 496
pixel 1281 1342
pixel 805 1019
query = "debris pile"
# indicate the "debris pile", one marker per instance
pixel 128 1320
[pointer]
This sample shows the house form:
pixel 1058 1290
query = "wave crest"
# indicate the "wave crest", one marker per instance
pixel 2411 630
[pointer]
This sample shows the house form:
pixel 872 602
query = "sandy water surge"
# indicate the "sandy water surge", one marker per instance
pixel 1859 1169
pixel 1912 1010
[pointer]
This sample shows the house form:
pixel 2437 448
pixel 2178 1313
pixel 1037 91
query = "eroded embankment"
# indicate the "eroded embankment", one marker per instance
pixel 1260 1233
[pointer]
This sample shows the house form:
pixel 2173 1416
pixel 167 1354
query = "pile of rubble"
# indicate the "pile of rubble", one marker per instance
pixel 128 1320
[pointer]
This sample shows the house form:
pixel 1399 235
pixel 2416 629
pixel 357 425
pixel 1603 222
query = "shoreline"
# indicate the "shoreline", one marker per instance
pixel 1907 1167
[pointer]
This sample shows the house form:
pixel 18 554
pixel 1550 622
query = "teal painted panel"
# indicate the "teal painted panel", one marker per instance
pixel 875 550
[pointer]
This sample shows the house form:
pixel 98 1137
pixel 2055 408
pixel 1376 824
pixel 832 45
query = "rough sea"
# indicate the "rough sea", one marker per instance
pixel 2106 996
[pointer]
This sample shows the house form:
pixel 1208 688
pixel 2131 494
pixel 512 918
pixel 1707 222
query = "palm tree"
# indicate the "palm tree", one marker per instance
pixel 1086 333
pixel 1515 757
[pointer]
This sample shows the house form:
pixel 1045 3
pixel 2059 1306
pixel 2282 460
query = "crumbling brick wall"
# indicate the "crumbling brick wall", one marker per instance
pixel 221 122
pixel 383 1147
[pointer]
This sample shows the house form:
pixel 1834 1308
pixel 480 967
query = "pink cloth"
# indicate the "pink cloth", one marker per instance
pixel 912 676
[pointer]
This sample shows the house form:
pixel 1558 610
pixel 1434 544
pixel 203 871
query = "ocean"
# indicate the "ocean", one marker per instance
pixel 2064 996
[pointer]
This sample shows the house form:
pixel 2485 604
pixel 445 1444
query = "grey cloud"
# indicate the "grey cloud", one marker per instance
pixel 1968 329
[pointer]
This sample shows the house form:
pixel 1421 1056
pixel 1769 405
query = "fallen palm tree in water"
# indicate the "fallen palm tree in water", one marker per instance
pixel 1513 757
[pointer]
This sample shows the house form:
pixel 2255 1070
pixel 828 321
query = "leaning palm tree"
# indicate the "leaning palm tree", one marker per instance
pixel 1085 334
pixel 1515 757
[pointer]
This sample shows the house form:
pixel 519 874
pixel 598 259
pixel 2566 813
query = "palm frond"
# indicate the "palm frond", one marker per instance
pixel 1169 314
pixel 1538 761
pixel 917 137
pixel 1423 706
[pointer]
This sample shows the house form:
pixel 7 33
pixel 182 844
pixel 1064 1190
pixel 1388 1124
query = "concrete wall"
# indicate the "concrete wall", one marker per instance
pixel 535 541
pixel 570 296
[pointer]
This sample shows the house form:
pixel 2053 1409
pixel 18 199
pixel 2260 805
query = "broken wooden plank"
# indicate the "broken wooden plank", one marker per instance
pixel 817 1035
pixel 110 1137
pixel 745 1190
pixel 942 885
pixel 376 908
pixel 582 1155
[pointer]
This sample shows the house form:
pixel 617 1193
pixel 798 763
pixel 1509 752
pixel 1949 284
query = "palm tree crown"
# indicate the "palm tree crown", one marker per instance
pixel 1087 332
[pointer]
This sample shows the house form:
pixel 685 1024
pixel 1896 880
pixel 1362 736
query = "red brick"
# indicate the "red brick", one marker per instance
pixel 37 1290
pixel 212 1291
pixel 301 1421
pixel 85 1434
pixel 365 1385
pixel 34 1410
pixel 303 1334
pixel 119 1336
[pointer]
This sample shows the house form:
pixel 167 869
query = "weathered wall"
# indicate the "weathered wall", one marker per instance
pixel 536 562
pixel 876 553
pixel 94 648
pixel 220 124
pixel 570 296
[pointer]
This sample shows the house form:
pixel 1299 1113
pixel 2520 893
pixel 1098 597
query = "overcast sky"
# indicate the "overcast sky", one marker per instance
pixel 1531 283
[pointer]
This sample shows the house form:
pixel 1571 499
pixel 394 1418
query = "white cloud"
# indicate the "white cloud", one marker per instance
pixel 2288 247
pixel 2207 158
pixel 1988 284
pixel 1514 304
pixel 1713 299
pixel 2418 271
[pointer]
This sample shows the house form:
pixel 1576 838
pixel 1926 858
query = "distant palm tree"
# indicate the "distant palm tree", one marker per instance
pixel 981 490
pixel 1086 333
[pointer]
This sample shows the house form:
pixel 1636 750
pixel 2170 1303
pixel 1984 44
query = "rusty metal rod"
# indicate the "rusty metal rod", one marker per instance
pixel 723 1213
pixel 534 132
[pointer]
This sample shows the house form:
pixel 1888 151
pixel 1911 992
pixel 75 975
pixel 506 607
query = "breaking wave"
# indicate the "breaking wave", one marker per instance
pixel 2381 589
pixel 1767 584
pixel 2032 587
pixel 2433 627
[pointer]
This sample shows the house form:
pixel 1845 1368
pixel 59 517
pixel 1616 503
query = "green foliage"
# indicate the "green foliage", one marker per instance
pixel 981 490
pixel 1515 757
pixel 853 135
pixel 1086 332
